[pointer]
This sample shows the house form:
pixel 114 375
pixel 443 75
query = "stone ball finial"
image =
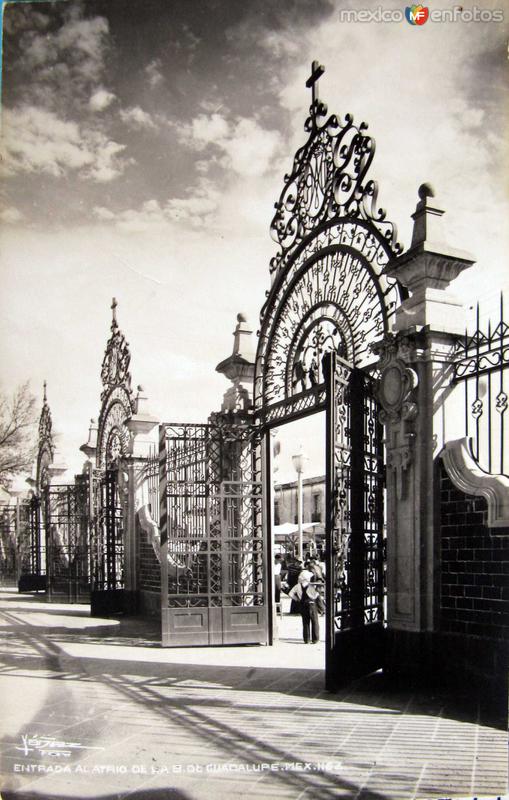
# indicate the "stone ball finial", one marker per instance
pixel 92 421
pixel 140 388
pixel 241 317
pixel 426 190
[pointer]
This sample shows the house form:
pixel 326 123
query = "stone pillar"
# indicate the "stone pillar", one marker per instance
pixel 90 451
pixel 90 446
pixel 239 369
pixel 57 468
pixel 419 416
pixel 237 408
pixel 142 427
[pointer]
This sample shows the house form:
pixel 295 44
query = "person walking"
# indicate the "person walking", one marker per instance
pixel 316 570
pixel 294 569
pixel 310 604
pixel 278 567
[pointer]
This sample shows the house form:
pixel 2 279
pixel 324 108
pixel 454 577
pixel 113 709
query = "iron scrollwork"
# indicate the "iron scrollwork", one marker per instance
pixel 65 514
pixel 117 399
pixel 329 180
pixel 45 445
pixel 213 506
pixel 481 361
pixel 45 422
pixel 116 361
pixel 329 289
pixel 333 297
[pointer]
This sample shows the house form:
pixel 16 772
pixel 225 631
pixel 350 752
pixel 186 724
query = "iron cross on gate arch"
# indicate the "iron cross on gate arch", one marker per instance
pixel 317 70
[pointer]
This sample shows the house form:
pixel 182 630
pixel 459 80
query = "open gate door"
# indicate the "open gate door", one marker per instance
pixel 66 523
pixel 32 550
pixel 213 570
pixel 107 575
pixel 354 526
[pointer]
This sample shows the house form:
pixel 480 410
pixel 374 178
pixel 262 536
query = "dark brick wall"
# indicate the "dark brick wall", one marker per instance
pixel 474 566
pixel 149 578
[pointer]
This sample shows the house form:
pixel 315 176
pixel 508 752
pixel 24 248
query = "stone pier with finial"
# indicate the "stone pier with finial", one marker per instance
pixel 239 369
pixel 420 412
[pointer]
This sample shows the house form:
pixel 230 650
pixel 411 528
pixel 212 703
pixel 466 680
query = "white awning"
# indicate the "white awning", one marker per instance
pixel 289 527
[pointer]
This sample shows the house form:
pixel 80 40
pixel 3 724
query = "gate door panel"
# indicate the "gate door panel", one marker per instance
pixel 66 524
pixel 212 553
pixel 32 549
pixel 355 525
pixel 9 515
pixel 107 584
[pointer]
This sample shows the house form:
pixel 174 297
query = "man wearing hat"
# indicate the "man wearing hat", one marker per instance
pixel 310 603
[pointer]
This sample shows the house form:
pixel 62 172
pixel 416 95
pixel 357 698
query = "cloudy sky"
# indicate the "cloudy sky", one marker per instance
pixel 144 143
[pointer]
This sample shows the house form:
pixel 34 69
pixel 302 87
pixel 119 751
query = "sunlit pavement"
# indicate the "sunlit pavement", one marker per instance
pixel 96 708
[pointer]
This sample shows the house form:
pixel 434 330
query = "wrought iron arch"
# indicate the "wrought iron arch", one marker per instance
pixel 113 435
pixel 46 445
pixel 328 180
pixel 109 496
pixel 117 398
pixel 333 296
pixel 329 291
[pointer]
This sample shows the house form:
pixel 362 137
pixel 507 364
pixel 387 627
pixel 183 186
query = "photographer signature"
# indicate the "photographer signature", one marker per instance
pixel 50 746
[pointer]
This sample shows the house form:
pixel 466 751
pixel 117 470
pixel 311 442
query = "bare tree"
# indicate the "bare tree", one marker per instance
pixel 17 433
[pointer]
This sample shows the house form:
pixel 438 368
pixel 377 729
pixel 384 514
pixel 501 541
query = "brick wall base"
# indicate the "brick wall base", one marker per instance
pixel 455 660
pixel 149 603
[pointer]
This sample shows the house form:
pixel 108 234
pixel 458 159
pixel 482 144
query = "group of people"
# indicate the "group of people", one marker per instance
pixel 302 583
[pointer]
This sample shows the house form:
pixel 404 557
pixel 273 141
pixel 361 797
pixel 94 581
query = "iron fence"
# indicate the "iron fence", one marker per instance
pixel 151 475
pixel 9 523
pixel 480 363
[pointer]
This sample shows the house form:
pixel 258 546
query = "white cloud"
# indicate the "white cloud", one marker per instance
pixel 282 46
pixel 37 141
pixel 101 99
pixel 209 129
pixel 245 146
pixel 191 40
pixel 106 164
pixel 11 215
pixel 135 117
pixel 197 210
pixel 103 214
pixel 250 149
pixel 154 74
pixel 149 216
pixel 68 61
pixel 85 36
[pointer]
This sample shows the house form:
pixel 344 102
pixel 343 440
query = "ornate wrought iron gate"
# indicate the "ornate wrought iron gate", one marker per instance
pixel 107 584
pixel 354 524
pixel 9 527
pixel 66 523
pixel 212 545
pixel 330 300
pixel 32 550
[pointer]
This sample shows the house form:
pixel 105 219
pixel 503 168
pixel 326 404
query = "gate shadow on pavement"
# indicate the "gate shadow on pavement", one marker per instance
pixel 169 692
pixel 188 715
pixel 391 693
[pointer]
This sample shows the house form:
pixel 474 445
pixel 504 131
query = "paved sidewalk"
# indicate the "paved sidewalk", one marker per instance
pixel 97 709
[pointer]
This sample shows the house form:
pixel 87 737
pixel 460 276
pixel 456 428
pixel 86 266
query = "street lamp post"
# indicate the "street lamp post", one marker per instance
pixel 298 464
